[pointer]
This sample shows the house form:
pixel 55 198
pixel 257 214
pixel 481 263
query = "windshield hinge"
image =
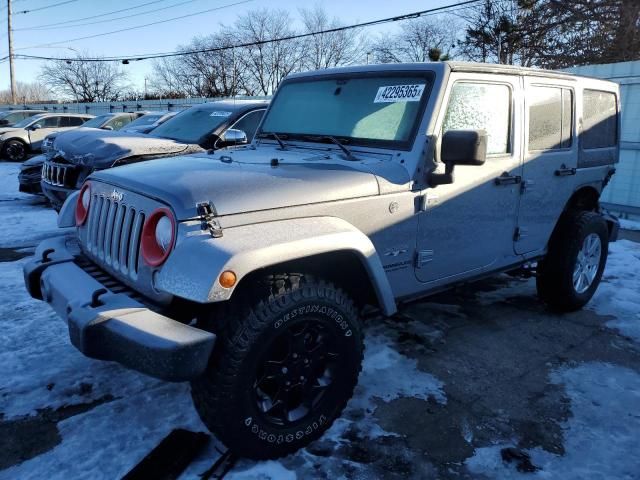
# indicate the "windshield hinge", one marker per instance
pixel 207 214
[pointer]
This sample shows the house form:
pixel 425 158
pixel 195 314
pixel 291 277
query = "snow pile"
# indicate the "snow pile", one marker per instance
pixel 598 437
pixel 619 292
pixel 629 224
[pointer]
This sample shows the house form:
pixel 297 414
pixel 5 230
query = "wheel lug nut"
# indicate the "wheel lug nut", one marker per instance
pixel 302 378
pixel 287 383
pixel 285 369
pixel 306 361
pixel 295 355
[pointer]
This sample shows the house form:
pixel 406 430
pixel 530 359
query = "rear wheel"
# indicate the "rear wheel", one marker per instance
pixel 14 150
pixel 571 272
pixel 286 362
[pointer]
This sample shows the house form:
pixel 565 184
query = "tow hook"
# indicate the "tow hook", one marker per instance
pixel 207 214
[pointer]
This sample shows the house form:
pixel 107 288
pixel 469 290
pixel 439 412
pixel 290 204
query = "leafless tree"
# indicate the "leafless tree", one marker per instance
pixel 266 64
pixel 418 40
pixel 333 49
pixel 33 92
pixel 85 81
pixel 215 73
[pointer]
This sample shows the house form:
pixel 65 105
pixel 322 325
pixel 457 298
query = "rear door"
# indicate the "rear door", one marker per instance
pixel 550 159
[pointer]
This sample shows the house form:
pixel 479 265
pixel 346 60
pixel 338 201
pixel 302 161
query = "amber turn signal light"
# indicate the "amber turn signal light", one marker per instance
pixel 227 279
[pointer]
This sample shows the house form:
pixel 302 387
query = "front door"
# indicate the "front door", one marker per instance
pixel 468 226
pixel 550 160
pixel 48 125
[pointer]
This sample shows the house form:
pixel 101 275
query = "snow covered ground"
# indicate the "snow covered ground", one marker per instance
pixel 42 372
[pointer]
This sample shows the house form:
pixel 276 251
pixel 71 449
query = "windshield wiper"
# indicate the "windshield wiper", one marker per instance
pixel 332 139
pixel 342 146
pixel 275 136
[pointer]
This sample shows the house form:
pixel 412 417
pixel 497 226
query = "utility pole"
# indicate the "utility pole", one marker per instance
pixel 10 35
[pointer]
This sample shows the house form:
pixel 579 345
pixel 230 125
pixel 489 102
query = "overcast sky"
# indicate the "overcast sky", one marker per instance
pixel 163 37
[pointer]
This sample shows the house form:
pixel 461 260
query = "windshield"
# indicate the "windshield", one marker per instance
pixel 382 110
pixel 96 122
pixel 26 122
pixel 147 119
pixel 193 124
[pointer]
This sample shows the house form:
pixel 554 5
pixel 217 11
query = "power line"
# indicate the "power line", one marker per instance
pixel 111 19
pixel 93 16
pixel 432 11
pixel 44 8
pixel 137 26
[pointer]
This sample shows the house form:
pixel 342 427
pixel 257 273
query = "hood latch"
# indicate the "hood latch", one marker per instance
pixel 207 213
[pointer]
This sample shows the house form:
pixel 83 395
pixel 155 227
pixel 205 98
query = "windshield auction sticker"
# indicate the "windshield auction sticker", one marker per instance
pixel 220 113
pixel 399 93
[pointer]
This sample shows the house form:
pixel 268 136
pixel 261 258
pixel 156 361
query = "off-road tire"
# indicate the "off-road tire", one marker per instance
pixel 255 318
pixel 554 280
pixel 14 143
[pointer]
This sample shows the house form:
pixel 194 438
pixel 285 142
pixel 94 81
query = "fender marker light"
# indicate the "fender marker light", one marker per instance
pixel 227 279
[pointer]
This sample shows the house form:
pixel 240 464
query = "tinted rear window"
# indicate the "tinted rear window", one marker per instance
pixel 600 119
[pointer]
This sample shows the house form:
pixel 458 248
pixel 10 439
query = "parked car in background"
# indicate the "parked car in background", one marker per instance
pixel 27 135
pixel 205 126
pixel 108 121
pixel 8 118
pixel 148 122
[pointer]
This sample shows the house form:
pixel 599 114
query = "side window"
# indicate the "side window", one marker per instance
pixel 550 118
pixel 481 106
pixel 75 121
pixel 249 123
pixel 600 119
pixel 118 122
pixel 50 122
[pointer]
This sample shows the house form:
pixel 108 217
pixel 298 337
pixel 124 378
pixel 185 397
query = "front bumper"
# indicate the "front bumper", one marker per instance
pixel 114 326
pixel 56 195
pixel 30 183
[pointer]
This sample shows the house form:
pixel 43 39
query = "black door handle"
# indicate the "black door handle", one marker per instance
pixel 563 171
pixel 506 179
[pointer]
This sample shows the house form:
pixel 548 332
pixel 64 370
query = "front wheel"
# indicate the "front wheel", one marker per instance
pixel 14 150
pixel 285 364
pixel 571 272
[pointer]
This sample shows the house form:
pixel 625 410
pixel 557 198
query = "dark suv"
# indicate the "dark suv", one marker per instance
pixel 206 126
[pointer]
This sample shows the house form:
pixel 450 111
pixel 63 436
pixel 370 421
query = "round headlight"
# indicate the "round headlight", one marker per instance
pixel 82 204
pixel 164 233
pixel 158 235
pixel 86 198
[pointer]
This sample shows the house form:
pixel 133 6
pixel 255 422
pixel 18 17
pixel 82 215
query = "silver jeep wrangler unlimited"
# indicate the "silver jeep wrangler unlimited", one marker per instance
pixel 245 271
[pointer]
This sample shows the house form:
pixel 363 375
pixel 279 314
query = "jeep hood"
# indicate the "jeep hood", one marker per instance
pixel 99 149
pixel 247 183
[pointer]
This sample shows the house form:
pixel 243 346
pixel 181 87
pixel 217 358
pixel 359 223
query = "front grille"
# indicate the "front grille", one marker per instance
pixel 113 235
pixel 59 175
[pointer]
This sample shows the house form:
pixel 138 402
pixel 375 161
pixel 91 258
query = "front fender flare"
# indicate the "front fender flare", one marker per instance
pixel 193 268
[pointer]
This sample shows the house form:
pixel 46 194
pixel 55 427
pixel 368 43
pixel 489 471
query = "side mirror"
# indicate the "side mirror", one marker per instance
pixel 234 137
pixel 36 126
pixel 107 127
pixel 464 147
pixel 460 147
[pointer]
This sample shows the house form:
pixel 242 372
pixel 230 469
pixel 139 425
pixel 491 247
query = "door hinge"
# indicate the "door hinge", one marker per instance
pixel 423 257
pixel 519 234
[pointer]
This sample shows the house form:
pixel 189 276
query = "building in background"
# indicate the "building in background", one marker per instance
pixel 623 193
